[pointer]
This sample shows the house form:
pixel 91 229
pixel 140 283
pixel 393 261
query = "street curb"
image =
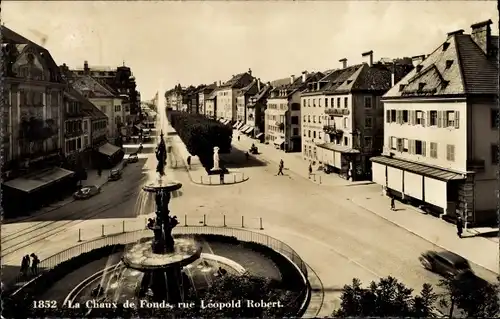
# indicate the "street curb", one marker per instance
pixel 414 233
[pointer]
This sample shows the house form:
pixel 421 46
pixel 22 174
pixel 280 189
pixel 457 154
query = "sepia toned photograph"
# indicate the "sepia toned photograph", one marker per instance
pixel 250 159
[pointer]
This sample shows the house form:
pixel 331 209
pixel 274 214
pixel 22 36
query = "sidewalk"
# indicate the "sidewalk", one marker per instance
pixel 196 171
pixel 480 250
pixel 293 162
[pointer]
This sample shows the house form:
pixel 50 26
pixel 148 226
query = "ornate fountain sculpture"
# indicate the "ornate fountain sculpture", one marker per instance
pixel 162 262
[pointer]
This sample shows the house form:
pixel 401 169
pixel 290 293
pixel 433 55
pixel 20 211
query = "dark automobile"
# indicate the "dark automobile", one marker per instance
pixel 445 263
pixel 87 192
pixel 115 175
pixel 133 158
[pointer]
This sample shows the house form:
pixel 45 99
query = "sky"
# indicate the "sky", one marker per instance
pixel 190 42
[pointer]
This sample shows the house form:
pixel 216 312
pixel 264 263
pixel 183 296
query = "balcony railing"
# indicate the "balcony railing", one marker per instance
pixel 331 129
pixel 337 112
pixel 475 165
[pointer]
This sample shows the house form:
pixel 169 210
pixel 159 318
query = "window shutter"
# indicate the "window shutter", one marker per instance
pixel 457 119
pixel 412 147
pixel 440 118
pixel 389 143
pixel 424 148
pixel 424 118
pixel 398 116
pixel 388 116
pixel 410 120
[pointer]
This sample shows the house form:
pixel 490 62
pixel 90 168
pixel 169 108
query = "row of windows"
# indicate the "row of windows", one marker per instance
pixel 311 102
pixel 429 118
pixel 417 147
pixel 73 145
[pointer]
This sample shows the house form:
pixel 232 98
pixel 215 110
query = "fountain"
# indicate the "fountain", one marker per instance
pixel 162 261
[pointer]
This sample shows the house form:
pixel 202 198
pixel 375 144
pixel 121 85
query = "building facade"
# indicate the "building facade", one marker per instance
pixel 282 115
pixel 33 126
pixel 203 94
pixel 342 116
pixel 255 115
pixel 227 94
pixel 211 105
pixel 441 129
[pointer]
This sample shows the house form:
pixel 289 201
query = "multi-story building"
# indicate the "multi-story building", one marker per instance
pixel 441 129
pixel 73 128
pixel 120 79
pixel 203 94
pixel 95 130
pixel 282 116
pixel 109 102
pixel 342 118
pixel 256 111
pixel 227 93
pixel 33 122
pixel 242 98
pixel 211 104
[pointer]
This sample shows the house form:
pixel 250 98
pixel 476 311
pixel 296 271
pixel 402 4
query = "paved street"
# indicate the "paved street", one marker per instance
pixel 336 237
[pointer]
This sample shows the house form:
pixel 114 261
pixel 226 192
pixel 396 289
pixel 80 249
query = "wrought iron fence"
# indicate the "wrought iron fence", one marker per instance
pixel 134 236
pixel 231 178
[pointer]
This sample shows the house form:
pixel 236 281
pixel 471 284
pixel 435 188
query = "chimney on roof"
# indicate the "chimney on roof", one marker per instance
pixel 369 56
pixel 344 63
pixel 292 79
pixel 458 32
pixel 481 34
pixel 416 60
pixel 86 67
pixel 304 76
pixel 258 85
pixel 220 83
pixel 250 71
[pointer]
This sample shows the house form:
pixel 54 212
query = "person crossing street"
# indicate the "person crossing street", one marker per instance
pixel 280 168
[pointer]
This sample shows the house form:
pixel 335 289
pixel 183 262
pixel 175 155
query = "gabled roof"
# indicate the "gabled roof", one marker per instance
pixel 235 82
pixel 212 95
pixel 90 87
pixel 260 95
pixel 250 89
pixel 457 67
pixel 88 108
pixel 297 84
pixel 10 37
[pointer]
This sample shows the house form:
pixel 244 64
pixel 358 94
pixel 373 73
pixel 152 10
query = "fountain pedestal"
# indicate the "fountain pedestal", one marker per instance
pixel 162 259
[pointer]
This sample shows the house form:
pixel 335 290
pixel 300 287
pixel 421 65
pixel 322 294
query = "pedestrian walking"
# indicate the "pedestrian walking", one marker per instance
pixel 99 172
pixel 24 266
pixel 247 156
pixel 34 264
pixel 310 170
pixel 238 138
pixel 393 204
pixel 221 176
pixel 189 162
pixel 280 168
pixel 460 226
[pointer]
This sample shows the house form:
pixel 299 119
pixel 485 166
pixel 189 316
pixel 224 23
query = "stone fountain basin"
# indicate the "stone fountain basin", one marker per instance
pixel 162 185
pixel 141 257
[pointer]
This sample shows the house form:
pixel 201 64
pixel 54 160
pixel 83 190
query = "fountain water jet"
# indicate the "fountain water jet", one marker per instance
pixel 162 262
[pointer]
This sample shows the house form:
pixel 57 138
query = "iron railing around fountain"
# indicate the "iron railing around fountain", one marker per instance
pixel 134 236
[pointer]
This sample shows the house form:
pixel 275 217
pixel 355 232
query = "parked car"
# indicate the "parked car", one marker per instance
pixel 115 175
pixel 445 263
pixel 86 192
pixel 133 158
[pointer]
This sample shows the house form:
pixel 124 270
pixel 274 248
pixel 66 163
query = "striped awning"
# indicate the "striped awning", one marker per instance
pixel 279 141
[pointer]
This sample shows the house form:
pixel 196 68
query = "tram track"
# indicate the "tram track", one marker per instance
pixel 43 230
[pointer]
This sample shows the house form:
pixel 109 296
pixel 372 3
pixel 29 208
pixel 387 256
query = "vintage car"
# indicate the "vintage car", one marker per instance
pixel 133 158
pixel 445 263
pixel 115 175
pixel 86 192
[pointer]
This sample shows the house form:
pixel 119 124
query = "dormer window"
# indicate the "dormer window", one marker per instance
pixel 419 68
pixel 449 63
pixel 445 46
pixel 421 86
pixel 402 87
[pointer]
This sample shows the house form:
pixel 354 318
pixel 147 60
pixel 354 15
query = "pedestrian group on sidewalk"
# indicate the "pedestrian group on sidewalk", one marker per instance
pixel 26 262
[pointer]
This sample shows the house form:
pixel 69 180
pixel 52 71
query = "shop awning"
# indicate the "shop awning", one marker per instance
pixel 235 125
pixel 221 120
pixel 243 128
pixel 226 122
pixel 338 148
pixel 108 149
pixel 259 135
pixel 240 125
pixel 39 179
pixel 248 130
pixel 279 141
pixel 420 169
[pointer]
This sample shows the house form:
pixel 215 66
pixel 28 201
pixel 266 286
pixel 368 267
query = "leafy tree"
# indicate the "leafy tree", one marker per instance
pixel 386 298
pixel 473 296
